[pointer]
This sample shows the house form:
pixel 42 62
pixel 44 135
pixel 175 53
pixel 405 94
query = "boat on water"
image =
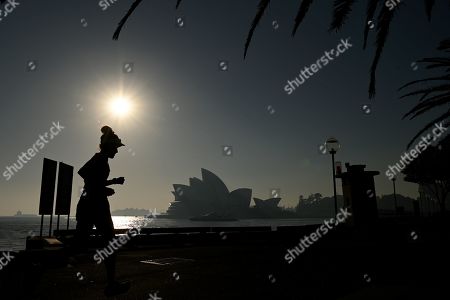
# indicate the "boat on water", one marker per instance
pixel 20 214
pixel 214 217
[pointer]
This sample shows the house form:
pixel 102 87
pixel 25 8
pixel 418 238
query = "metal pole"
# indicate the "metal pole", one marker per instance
pixel 57 224
pixel 334 182
pixel 50 227
pixel 42 225
pixel 395 196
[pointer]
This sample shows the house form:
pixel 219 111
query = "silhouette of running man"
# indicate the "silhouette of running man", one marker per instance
pixel 93 207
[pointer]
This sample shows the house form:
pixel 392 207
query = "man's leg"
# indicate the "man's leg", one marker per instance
pixel 82 233
pixel 80 241
pixel 105 227
pixel 83 228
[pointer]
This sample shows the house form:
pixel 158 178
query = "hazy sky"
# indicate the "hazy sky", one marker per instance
pixel 185 108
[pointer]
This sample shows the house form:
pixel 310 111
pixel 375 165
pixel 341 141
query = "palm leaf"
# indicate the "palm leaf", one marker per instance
pixel 438 65
pixel 384 21
pixel 429 7
pixel 428 101
pixel 425 109
pixel 440 78
pixel 437 62
pixel 342 9
pixel 262 6
pixel 434 66
pixel 125 18
pixel 302 11
pixel 427 91
pixel 428 104
pixel 370 13
pixel 425 101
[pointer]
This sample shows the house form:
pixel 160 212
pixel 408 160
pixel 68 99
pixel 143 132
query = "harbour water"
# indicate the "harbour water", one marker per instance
pixel 14 230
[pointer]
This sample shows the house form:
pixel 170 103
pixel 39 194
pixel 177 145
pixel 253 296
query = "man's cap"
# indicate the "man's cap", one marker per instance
pixel 110 138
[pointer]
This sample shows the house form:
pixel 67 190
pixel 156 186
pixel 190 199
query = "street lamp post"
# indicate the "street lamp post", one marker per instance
pixel 332 147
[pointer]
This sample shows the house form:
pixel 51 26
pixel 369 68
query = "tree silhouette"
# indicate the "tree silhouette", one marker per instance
pixel 434 96
pixel 342 9
pixel 125 18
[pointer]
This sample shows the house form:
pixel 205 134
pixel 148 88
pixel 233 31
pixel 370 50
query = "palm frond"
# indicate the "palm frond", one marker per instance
pixel 178 4
pixel 435 66
pixel 428 91
pixel 429 7
pixel 445 61
pixel 262 6
pixel 429 125
pixel 370 13
pixel 384 21
pixel 428 104
pixel 342 9
pixel 426 109
pixel 437 62
pixel 125 18
pixel 431 97
pixel 302 11
pixel 425 93
pixel 439 78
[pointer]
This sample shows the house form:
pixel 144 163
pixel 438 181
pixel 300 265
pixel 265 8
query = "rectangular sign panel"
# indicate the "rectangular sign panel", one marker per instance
pixel 47 187
pixel 64 192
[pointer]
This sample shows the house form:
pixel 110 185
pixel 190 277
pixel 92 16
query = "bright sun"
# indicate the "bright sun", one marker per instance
pixel 120 107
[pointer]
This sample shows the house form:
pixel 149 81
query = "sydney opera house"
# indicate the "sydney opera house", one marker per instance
pixel 211 195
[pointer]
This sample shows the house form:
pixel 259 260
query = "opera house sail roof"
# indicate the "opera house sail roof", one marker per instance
pixel 210 194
